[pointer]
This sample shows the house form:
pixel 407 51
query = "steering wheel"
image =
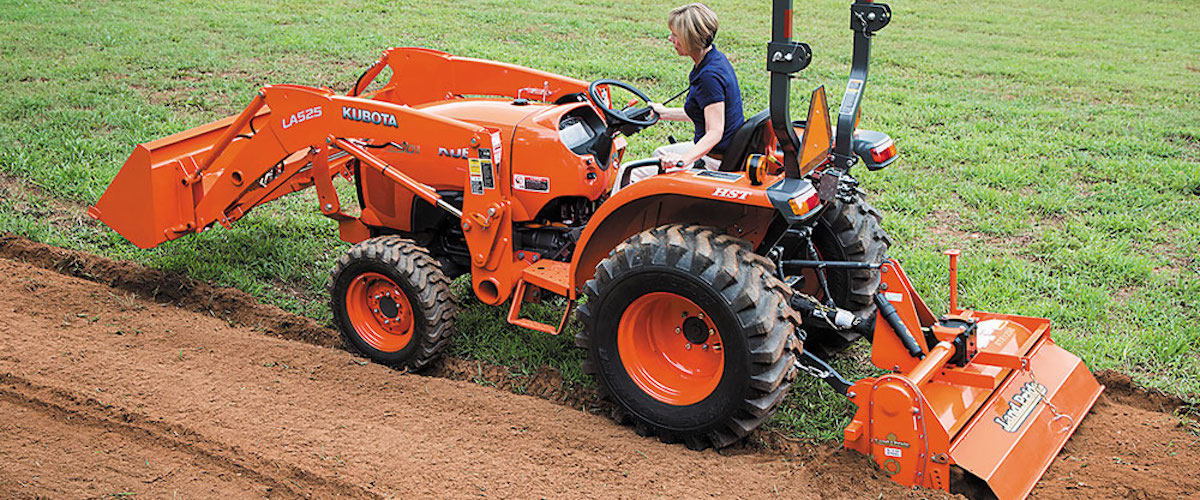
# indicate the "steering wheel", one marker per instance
pixel 626 120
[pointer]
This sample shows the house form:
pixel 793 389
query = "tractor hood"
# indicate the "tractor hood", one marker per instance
pixel 499 114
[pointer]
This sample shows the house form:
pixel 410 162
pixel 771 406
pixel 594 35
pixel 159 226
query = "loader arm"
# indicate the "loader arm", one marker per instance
pixel 218 172
pixel 421 75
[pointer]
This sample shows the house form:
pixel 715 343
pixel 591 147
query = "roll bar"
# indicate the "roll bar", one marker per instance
pixel 866 17
pixel 786 57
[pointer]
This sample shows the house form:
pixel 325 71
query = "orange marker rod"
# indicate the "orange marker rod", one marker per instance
pixel 953 253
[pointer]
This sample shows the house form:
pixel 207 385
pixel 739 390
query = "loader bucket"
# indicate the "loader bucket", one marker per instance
pixel 984 417
pixel 152 199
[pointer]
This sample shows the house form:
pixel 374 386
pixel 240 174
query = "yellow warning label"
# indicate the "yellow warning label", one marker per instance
pixel 475 168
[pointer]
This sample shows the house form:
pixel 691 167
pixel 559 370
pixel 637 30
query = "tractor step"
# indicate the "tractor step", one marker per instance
pixel 550 275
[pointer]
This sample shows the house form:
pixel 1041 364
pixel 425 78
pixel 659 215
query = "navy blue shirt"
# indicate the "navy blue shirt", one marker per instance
pixel 713 81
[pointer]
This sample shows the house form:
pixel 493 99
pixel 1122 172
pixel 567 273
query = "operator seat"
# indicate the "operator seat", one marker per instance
pixel 745 141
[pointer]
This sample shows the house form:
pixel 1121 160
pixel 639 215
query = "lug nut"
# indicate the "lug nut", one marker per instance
pixel 677 330
pixel 701 315
pixel 705 347
pixel 711 331
pixel 684 315
pixel 687 346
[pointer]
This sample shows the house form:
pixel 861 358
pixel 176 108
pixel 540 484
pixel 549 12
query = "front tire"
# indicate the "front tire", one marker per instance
pixel 689 333
pixel 391 302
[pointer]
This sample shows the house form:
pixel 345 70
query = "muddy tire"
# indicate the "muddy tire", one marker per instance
pixel 849 232
pixel 391 302
pixel 688 296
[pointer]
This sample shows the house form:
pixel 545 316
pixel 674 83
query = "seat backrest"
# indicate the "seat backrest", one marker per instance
pixel 743 142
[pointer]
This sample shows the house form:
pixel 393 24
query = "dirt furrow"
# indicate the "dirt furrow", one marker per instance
pixel 47 456
pixel 273 407
pixel 75 410
pixel 239 308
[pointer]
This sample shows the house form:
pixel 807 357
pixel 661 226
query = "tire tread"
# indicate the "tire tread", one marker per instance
pixel 748 285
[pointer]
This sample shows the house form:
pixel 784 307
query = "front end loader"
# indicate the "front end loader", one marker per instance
pixel 707 292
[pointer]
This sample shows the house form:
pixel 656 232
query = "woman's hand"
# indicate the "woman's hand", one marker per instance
pixel 669 113
pixel 673 161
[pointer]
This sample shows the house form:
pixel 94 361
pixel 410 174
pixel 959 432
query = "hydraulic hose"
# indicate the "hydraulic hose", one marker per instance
pixel 893 319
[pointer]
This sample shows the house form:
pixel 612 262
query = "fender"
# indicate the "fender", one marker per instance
pixel 725 200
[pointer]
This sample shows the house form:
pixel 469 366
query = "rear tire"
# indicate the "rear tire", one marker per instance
pixel 392 303
pixel 847 232
pixel 719 295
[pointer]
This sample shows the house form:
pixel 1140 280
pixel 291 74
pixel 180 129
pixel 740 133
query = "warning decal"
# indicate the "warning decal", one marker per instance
pixel 531 183
pixel 489 178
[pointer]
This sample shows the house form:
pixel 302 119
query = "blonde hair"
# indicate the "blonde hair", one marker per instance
pixel 695 24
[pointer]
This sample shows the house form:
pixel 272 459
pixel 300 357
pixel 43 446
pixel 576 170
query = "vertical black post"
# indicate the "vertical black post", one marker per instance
pixel 784 57
pixel 866 17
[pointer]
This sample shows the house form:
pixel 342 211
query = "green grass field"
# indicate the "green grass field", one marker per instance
pixel 1056 143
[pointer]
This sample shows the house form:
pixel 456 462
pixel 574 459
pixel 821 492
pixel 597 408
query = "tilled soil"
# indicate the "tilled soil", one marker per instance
pixel 131 383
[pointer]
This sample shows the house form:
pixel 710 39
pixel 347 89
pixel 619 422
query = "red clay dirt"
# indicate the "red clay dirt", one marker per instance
pixel 137 383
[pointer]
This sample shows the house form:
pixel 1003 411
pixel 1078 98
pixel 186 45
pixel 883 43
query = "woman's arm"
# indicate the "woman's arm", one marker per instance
pixel 714 129
pixel 669 114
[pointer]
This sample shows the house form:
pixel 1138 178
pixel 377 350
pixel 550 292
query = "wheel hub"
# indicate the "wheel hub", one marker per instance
pixel 388 307
pixel 670 349
pixel 379 312
pixel 695 330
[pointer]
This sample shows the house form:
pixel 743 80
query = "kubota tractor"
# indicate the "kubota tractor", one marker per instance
pixel 703 293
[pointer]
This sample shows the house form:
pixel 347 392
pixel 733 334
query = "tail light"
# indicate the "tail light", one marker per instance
pixel 804 202
pixel 884 152
pixel 876 149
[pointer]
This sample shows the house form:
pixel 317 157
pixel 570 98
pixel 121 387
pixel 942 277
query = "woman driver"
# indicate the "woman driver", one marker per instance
pixel 714 101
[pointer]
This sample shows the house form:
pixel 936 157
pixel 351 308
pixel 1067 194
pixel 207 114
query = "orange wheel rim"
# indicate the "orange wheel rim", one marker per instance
pixel 670 348
pixel 379 312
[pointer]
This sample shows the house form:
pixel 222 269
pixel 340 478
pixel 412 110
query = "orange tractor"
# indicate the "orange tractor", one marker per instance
pixel 703 293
